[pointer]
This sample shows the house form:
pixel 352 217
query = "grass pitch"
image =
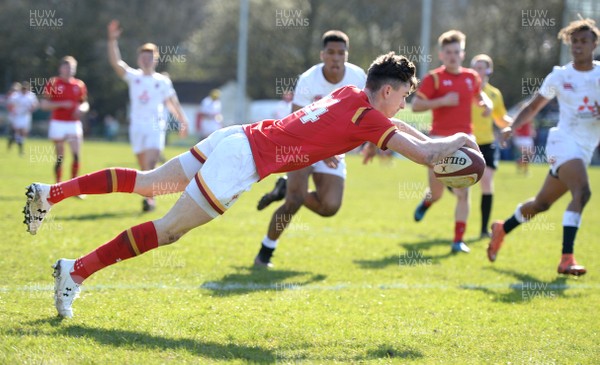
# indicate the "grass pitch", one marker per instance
pixel 366 286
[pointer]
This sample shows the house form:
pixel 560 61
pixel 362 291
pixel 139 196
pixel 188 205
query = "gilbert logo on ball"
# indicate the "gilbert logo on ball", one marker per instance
pixel 461 169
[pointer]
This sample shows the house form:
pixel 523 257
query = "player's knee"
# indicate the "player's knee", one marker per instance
pixel 75 158
pixel 583 194
pixel 329 209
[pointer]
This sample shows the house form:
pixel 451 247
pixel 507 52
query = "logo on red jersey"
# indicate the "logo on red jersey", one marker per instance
pixel 469 83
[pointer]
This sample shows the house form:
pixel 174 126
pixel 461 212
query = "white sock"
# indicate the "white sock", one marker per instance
pixel 571 219
pixel 269 242
pixel 519 216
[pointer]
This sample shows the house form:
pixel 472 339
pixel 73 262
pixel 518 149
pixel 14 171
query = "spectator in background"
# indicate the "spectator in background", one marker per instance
pixel 111 127
pixel 210 117
pixel 14 88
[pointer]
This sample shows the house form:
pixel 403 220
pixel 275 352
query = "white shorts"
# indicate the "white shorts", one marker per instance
pixel 220 168
pixel 523 143
pixel 321 168
pixel 561 147
pixel 21 122
pixel 145 137
pixel 60 130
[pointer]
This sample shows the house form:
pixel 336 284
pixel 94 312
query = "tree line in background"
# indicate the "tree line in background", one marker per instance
pixel 198 39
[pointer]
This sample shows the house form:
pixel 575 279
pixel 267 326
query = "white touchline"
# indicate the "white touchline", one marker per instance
pixel 233 286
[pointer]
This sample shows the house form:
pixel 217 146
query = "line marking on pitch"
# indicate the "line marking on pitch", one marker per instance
pixel 236 286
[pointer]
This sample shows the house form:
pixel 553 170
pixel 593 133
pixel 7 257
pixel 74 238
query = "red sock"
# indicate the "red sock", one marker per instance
pixel 459 231
pixel 427 203
pixel 74 170
pixel 132 242
pixel 99 182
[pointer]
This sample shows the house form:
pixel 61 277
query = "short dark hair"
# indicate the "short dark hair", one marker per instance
pixel 577 26
pixel 335 36
pixel 452 36
pixel 391 69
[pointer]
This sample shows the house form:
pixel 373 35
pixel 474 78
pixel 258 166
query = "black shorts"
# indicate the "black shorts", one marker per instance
pixel 490 155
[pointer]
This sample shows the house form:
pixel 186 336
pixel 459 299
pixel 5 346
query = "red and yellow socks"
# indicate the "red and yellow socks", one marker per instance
pixel 100 182
pixel 129 243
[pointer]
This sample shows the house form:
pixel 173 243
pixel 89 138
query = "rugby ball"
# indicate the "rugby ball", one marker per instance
pixel 461 169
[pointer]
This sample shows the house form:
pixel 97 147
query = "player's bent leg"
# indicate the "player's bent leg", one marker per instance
pixel 70 274
pixel 297 186
pixel 326 200
pixel 185 215
pixel 168 178
pixel 551 191
pixel 574 175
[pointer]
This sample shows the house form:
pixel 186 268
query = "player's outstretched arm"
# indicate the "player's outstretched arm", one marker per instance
pixel 114 55
pixel 428 152
pixel 530 110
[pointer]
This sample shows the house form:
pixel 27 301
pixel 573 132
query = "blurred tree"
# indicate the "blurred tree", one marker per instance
pixel 35 35
pixel 198 38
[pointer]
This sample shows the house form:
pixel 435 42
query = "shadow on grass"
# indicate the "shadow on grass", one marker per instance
pixel 247 280
pixel 413 255
pixel 140 341
pixel 94 216
pixel 526 289
pixel 134 340
pixel 388 352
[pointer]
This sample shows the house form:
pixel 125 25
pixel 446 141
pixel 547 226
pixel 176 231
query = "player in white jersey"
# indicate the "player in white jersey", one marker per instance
pixel 22 103
pixel 210 114
pixel 328 175
pixel 149 92
pixel 570 144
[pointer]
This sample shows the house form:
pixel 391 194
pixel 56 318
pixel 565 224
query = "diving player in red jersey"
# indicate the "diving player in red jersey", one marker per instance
pixel 220 168
pixel 66 97
pixel 449 92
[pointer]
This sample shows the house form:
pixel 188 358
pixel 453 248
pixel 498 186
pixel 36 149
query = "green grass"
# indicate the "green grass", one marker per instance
pixel 366 286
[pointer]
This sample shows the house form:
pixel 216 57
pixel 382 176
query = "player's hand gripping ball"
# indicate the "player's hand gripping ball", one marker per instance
pixel 461 169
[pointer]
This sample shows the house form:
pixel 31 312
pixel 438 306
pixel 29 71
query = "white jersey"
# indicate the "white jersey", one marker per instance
pixel 147 94
pixel 312 85
pixel 22 104
pixel 578 94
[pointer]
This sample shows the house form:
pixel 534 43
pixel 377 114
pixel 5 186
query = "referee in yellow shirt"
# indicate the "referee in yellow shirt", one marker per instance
pixel 483 129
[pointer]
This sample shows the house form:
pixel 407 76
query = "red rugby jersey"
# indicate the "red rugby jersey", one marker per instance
pixel 448 120
pixel 333 125
pixel 58 89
